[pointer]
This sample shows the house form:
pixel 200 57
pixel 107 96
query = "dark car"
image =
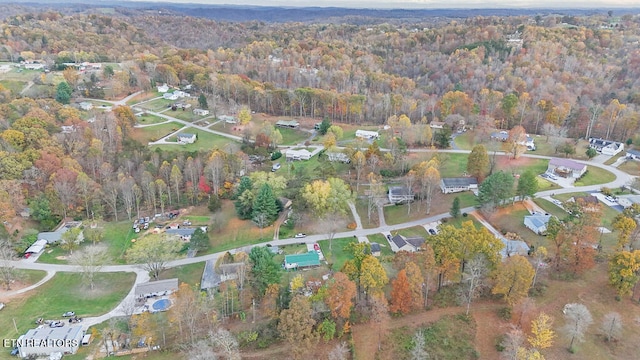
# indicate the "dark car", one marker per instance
pixel 432 232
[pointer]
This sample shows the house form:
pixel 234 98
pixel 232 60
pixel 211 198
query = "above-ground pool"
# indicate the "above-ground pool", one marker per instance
pixel 161 305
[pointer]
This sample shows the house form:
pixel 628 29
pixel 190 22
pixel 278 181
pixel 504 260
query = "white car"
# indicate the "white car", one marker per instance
pixel 611 199
pixel 300 235
pixel 557 202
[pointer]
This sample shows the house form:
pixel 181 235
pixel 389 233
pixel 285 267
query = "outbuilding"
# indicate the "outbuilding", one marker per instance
pixel 46 341
pixel 296 261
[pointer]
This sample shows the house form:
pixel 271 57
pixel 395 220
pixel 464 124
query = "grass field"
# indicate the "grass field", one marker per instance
pixel 64 292
pixel 337 256
pixel 292 136
pixel 156 105
pixel 190 274
pixel 147 119
pixel 15 86
pixel 153 133
pixel 631 167
pixel 594 176
pixel 205 141
pixel 361 207
pixel 385 248
pixel 416 231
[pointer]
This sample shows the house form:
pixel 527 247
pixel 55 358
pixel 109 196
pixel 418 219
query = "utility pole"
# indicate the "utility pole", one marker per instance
pixel 253 306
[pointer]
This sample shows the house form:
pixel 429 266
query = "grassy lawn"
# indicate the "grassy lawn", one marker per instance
pixel 614 158
pixel 512 220
pixel 147 119
pixel 292 136
pixel 416 231
pixel 551 208
pixel 337 256
pixel 361 207
pixel 385 248
pixel 465 141
pixel 467 199
pixel 205 141
pixel 594 176
pixel 30 277
pixel 64 292
pixel 197 219
pixel 452 165
pixel 190 274
pixel 630 167
pixel 153 133
pixel 14 86
pixel 156 105
pixel 142 97
pixel 544 184
pixel 228 232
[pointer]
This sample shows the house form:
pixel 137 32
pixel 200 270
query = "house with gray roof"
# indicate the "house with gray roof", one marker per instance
pixel 400 194
pixel 46 341
pixel 606 147
pixel 566 168
pixel 633 154
pixel 537 223
pixel 156 288
pixel 402 243
pixel 459 184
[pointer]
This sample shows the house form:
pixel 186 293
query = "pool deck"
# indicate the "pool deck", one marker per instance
pixel 147 304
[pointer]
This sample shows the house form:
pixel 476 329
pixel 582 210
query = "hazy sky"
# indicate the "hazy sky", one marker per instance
pixel 576 4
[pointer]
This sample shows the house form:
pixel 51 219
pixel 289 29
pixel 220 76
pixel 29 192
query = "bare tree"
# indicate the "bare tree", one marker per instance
pixel 512 342
pixel 226 343
pixel 201 350
pixel 476 270
pixel 418 352
pixel 8 272
pixel 578 319
pixel 91 259
pixel 612 326
pixel 339 352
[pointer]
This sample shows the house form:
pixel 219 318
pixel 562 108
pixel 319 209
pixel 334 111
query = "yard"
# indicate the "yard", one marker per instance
pixel 595 176
pixel 385 248
pixel 152 133
pixel 190 274
pixel 156 105
pixel 416 231
pixel 205 141
pixel 146 119
pixel 64 292
pixel 630 167
pixel 337 255
pixel 361 207
pixel 293 136
pixel 511 219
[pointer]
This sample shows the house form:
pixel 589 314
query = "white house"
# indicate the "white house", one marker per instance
pixel 163 88
pixel 302 154
pixel 201 112
pixel 46 341
pixel 606 147
pixel 566 168
pixel 187 138
pixel 454 185
pixel 85 105
pixel 537 223
pixel 228 119
pixel 400 194
pixel 504 136
pixel 156 288
pixel 170 96
pixel 338 156
pixel 437 124
pixel 633 154
pixel 368 135
pixel 34 66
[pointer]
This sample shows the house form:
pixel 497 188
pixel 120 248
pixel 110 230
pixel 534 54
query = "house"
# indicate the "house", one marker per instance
pixel 85 105
pixel 375 249
pixel 401 243
pixel 200 112
pixel 156 288
pixel 338 156
pixel 367 135
pixel 68 129
pixel 186 138
pixel 633 154
pixel 302 154
pixel 296 261
pixel 291 124
pixel 400 194
pixel 181 94
pixel 183 234
pixel 212 277
pixel 34 66
pixel 163 88
pixel 566 168
pixel 606 147
pixel 454 185
pixel 46 341
pixel 437 124
pixel 504 136
pixel 170 96
pixel 513 247
pixel 537 223
pixel 228 119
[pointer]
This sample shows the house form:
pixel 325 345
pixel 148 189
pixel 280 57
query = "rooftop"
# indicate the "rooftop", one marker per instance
pixel 59 333
pixel 156 287
pixel 399 191
pixel 567 163
pixel 459 181
pixel 309 259
pixel 538 220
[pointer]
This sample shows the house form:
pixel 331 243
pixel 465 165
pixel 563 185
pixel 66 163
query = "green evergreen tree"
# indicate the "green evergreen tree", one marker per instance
pixel 244 198
pixel 324 126
pixel 455 208
pixel 264 270
pixel 527 185
pixel 266 204
pixel 495 190
pixel 63 93
pixel 202 101
pixel 199 240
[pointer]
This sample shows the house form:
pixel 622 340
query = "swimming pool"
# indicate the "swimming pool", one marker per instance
pixel 161 305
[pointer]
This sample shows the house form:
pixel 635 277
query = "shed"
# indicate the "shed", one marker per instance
pixel 156 288
pixel 228 119
pixel 187 138
pixel 201 112
pixel 295 261
pixel 37 247
pixel 375 249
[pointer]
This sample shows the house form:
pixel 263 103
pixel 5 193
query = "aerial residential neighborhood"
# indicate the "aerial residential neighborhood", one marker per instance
pixel 192 183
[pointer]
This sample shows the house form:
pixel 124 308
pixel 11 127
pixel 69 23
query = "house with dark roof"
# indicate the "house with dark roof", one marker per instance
pixel 454 185
pixel 296 261
pixel 184 234
pixel 606 147
pixel 633 154
pixel 212 277
pixel 537 223
pixel 401 243
pixel 566 168
pixel 375 249
pixel 400 194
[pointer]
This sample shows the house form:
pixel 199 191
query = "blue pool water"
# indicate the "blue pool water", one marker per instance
pixel 161 305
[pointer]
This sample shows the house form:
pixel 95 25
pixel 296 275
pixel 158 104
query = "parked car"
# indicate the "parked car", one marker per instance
pixel 552 177
pixel 300 235
pixel 55 324
pixel 611 199
pixel 26 255
pixel 275 167
pixel 432 232
pixel 316 247
pixel 1 306
pixel 69 314
pixel 557 202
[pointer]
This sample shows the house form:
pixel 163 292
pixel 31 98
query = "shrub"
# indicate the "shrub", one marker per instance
pixel 276 155
pixel 465 214
pixel 214 204
pixel 352 226
pixel 499 340
pixel 504 313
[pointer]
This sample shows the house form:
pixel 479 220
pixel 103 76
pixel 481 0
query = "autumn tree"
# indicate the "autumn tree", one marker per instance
pixel 429 178
pixel 416 283
pixel 625 226
pixel 359 162
pixel 71 239
pixel 153 252
pixel 478 162
pixel 624 267
pixel 373 277
pixel 542 333
pixel 296 325
pixel 515 144
pixel 577 321
pixel 513 279
pixel 244 115
pixel 475 271
pixel 340 294
pixel 401 300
